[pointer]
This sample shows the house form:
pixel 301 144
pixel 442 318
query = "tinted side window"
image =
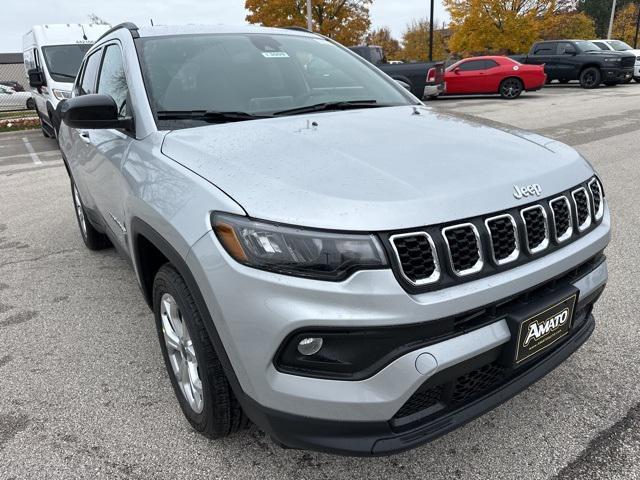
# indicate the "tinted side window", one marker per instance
pixel 472 65
pixel 87 85
pixel 565 48
pixel 490 64
pixel 545 49
pixel 601 45
pixel 113 81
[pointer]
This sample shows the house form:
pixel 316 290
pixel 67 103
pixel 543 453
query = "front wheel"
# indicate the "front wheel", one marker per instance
pixel 590 78
pixel 637 79
pixel 197 376
pixel 511 88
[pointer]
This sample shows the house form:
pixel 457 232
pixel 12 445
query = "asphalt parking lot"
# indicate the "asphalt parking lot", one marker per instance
pixel 84 392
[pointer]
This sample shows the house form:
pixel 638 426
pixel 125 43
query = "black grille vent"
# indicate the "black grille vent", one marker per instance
pixel 582 206
pixel 536 226
pixel 561 217
pixel 596 192
pixel 503 238
pixel 420 401
pixel 416 257
pixel 463 248
pixel 477 382
pixel 628 62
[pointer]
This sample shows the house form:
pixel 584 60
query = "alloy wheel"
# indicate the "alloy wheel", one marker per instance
pixel 511 88
pixel 181 352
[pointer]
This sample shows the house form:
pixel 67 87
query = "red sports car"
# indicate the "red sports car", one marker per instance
pixel 478 75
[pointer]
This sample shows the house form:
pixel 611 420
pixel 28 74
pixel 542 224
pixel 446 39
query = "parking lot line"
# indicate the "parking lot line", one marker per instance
pixel 32 152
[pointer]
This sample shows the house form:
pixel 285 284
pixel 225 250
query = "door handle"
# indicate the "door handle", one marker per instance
pixel 84 136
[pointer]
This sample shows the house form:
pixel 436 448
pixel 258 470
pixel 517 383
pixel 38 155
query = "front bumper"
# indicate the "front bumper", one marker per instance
pixel 617 74
pixel 254 311
pixel 636 71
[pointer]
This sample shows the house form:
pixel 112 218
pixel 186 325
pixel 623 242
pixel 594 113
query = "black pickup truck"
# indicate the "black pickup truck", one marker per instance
pixel 566 60
pixel 424 80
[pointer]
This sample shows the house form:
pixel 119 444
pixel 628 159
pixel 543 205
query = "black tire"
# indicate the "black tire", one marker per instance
pixel 627 80
pixel 511 88
pixel 637 79
pixel 92 238
pixel 43 128
pixel 221 413
pixel 590 78
pixel 563 81
pixel 31 105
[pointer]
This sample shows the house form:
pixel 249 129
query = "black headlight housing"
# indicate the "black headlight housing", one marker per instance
pixel 297 251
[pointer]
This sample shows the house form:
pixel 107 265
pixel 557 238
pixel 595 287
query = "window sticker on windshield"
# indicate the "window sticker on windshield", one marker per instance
pixel 275 54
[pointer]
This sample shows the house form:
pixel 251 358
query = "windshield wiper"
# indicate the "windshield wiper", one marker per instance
pixel 63 75
pixel 207 116
pixel 320 107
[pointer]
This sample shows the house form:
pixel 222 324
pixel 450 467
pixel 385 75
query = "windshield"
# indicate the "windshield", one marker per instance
pixel 619 46
pixel 63 61
pixel 257 74
pixel 588 46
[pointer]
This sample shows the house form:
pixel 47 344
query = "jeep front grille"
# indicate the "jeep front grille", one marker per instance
pixel 463 245
pixel 417 256
pixel 562 220
pixel 439 256
pixel 536 228
pixel 596 194
pixel 503 233
pixel 583 208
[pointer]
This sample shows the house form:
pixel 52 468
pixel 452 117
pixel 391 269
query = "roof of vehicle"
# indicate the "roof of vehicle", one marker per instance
pixel 164 30
pixel 487 57
pixel 64 34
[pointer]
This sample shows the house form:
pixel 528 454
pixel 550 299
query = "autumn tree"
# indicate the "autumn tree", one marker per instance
pixel 624 25
pixel 568 25
pixel 346 21
pixel 415 42
pixel 600 11
pixel 382 37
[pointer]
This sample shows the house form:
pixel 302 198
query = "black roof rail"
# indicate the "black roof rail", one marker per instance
pixel 132 27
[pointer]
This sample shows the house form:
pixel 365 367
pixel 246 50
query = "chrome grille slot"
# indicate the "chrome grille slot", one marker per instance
pixel 596 195
pixel 583 208
pixel 416 254
pixel 536 228
pixel 503 233
pixel 463 245
pixel 562 218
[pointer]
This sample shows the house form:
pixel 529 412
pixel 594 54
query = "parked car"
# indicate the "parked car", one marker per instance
pixel 304 272
pixel 16 86
pixel 12 100
pixel 566 60
pixel 620 46
pixel 493 75
pixel 52 55
pixel 425 80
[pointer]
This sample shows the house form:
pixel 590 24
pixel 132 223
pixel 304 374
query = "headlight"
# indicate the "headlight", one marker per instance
pixel 61 94
pixel 295 250
pixel 613 59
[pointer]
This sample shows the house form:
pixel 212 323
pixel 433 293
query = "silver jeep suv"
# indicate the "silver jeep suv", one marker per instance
pixel 324 255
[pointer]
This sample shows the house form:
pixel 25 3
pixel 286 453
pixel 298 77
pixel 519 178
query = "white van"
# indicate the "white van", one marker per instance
pixel 52 57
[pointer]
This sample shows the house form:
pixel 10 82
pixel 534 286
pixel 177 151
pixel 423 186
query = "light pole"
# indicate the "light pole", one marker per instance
pixel 613 14
pixel 431 32
pixel 635 40
pixel 309 16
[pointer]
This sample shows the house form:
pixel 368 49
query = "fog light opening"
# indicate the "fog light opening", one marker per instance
pixel 310 346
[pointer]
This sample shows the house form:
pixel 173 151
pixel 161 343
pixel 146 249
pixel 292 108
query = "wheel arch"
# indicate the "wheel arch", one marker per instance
pixel 589 65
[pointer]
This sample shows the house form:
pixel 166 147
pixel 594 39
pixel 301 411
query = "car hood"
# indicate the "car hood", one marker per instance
pixel 374 169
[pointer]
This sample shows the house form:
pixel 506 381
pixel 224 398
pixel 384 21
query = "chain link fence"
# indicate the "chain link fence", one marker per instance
pixel 15 95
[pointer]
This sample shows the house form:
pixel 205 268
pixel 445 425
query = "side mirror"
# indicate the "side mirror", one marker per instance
pixel 92 112
pixel 36 78
pixel 404 85
pixel 456 70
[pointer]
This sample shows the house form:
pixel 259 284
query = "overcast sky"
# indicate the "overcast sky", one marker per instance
pixel 19 15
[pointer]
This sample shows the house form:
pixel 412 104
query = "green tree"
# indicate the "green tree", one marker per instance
pixel 600 11
pixel 415 42
pixel 382 37
pixel 346 21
